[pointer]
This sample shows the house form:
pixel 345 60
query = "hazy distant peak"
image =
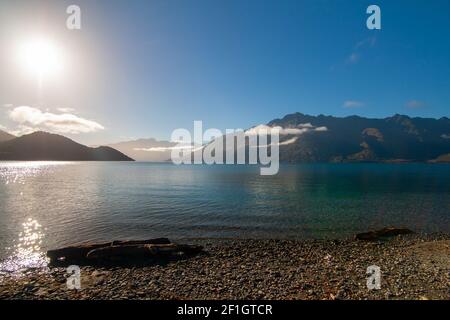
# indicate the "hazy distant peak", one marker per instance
pixel 145 149
pixel 5 136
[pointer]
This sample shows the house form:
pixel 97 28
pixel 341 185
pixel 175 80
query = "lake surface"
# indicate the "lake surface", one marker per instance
pixel 52 204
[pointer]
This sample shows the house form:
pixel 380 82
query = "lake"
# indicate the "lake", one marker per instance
pixel 52 204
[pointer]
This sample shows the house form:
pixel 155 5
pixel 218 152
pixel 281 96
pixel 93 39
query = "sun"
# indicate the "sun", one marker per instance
pixel 40 57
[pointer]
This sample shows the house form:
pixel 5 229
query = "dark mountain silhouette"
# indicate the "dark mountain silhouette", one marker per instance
pixel 5 136
pixel 397 138
pixel 47 146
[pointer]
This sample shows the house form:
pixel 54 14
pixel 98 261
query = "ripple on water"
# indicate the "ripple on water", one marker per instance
pixel 17 172
pixel 27 253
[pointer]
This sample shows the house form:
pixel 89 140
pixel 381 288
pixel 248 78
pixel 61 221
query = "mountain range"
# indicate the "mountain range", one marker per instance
pixel 46 146
pixel 303 138
pixel 355 139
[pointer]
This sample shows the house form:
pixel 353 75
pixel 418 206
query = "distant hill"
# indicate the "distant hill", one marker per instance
pixel 145 149
pixel 47 146
pixel 356 139
pixel 445 158
pixel 5 136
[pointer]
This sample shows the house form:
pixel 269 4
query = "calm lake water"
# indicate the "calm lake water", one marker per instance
pixel 52 204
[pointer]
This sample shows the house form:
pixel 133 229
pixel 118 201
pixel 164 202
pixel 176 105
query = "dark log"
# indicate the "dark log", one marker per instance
pixel 76 253
pixel 390 232
pixel 135 242
pixel 370 236
pixel 113 252
pixel 385 232
pixel 174 249
pixel 189 249
pixel 160 248
pixel 143 251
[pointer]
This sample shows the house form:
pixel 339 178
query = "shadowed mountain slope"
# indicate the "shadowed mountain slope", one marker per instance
pixel 47 146
pixel 396 138
pixel 5 136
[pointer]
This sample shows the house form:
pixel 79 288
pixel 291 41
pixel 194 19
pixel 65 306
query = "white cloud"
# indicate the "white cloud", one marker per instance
pixel 359 48
pixel 263 129
pixel 292 131
pixel 284 143
pixel 61 123
pixel 305 125
pixel 7 105
pixel 445 136
pixel 66 110
pixel 353 58
pixel 2 128
pixel 353 104
pixel 289 141
pixel 22 130
pixel 299 130
pixel 415 104
pixel 164 149
pixel 260 129
pixel 368 42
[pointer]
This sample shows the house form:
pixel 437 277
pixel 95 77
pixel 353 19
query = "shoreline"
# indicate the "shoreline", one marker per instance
pixel 412 267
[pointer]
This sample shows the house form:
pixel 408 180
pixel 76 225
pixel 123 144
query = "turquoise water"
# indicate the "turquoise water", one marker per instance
pixel 51 204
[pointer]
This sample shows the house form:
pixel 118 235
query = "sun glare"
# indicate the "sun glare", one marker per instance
pixel 41 57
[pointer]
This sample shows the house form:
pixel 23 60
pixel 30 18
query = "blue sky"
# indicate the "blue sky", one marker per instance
pixel 155 66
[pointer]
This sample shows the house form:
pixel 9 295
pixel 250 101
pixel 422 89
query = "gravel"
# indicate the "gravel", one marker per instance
pixel 412 267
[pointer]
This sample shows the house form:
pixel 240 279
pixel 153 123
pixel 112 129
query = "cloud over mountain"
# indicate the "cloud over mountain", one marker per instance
pixel 297 130
pixel 36 119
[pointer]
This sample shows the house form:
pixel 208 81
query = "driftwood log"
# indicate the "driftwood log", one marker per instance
pixel 122 250
pixel 382 233
pixel 144 251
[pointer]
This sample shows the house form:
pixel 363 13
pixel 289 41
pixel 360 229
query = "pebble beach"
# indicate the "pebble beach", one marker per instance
pixel 412 267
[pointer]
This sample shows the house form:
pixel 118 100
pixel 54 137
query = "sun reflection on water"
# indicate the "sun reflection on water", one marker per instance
pixel 27 253
pixel 17 172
